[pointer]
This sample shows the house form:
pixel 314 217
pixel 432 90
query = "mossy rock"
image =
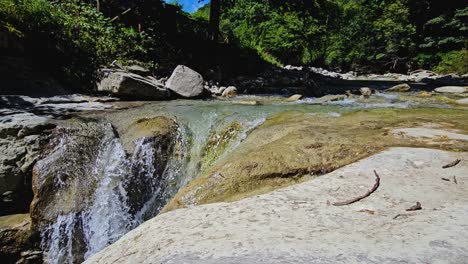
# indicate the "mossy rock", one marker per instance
pixel 292 147
pixel 218 142
pixel 159 126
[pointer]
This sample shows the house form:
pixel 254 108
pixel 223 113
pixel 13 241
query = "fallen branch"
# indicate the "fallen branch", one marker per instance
pixel 398 215
pixel 451 164
pixel 369 192
pixel 415 207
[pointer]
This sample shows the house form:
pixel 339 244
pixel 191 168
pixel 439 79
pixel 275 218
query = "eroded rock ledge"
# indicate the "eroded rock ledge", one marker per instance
pixel 297 224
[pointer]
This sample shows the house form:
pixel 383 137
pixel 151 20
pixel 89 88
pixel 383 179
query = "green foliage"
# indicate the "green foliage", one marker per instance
pixel 70 36
pixel 453 62
pixel 203 13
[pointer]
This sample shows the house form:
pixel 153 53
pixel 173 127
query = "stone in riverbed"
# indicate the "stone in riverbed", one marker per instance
pixel 452 89
pixel 230 91
pixel 329 98
pixel 400 88
pixel 186 82
pixel 294 98
pixel 365 91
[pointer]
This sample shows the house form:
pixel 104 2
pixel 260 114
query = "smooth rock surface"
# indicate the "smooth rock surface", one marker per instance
pixel 186 82
pixel 328 98
pixel 298 225
pixel 400 88
pixel 452 89
pixel 230 91
pixel 294 97
pixel 463 101
pixel 131 86
pixel 365 91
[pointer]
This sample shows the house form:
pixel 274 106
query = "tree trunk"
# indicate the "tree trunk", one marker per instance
pixel 215 10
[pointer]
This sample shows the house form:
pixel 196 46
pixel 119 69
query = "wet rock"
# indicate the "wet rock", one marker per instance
pixel 156 127
pixel 150 143
pixel 249 102
pixel 294 98
pixel 329 98
pixel 186 82
pixel 463 101
pixel 400 88
pixel 365 91
pixel 452 89
pixel 65 178
pixel 16 239
pixel 131 86
pixel 230 91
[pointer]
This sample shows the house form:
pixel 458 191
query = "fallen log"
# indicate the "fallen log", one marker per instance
pixel 369 192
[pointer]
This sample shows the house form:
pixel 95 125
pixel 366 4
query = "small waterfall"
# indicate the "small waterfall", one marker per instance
pixel 130 191
pixel 128 188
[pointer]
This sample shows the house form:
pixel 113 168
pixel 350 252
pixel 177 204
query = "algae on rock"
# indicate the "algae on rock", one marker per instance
pixel 291 147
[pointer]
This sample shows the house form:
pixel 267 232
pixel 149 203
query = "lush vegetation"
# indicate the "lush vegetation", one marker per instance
pixel 72 38
pixel 385 35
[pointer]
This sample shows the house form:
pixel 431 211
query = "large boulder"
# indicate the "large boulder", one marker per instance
pixel 65 179
pixel 452 89
pixel 186 82
pixel 131 86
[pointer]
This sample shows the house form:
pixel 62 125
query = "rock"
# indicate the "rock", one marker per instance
pixel 294 98
pixel 186 82
pixel 230 91
pixel 20 137
pixel 137 69
pixel 365 91
pixel 400 88
pixel 452 89
pixel 160 127
pixel 299 214
pixel 425 94
pixel 65 178
pixel 329 98
pixel 16 238
pixel 250 102
pixel 131 86
pixel 463 101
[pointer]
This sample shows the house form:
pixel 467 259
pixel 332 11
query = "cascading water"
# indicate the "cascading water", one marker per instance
pixel 133 188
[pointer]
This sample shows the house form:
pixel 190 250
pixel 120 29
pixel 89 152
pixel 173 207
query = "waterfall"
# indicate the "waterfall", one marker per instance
pixel 129 188
pixel 130 191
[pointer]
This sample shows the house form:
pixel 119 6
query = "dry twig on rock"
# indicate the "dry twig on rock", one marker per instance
pixel 451 164
pixel 369 192
pixel 415 207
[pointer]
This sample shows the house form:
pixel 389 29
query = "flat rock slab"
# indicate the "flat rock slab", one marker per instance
pixel 298 225
pixel 430 133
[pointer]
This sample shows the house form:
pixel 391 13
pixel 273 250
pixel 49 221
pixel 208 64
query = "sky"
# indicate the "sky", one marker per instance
pixel 190 5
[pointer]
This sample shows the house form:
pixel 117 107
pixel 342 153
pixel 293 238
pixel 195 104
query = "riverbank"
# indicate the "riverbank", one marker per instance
pixel 188 153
